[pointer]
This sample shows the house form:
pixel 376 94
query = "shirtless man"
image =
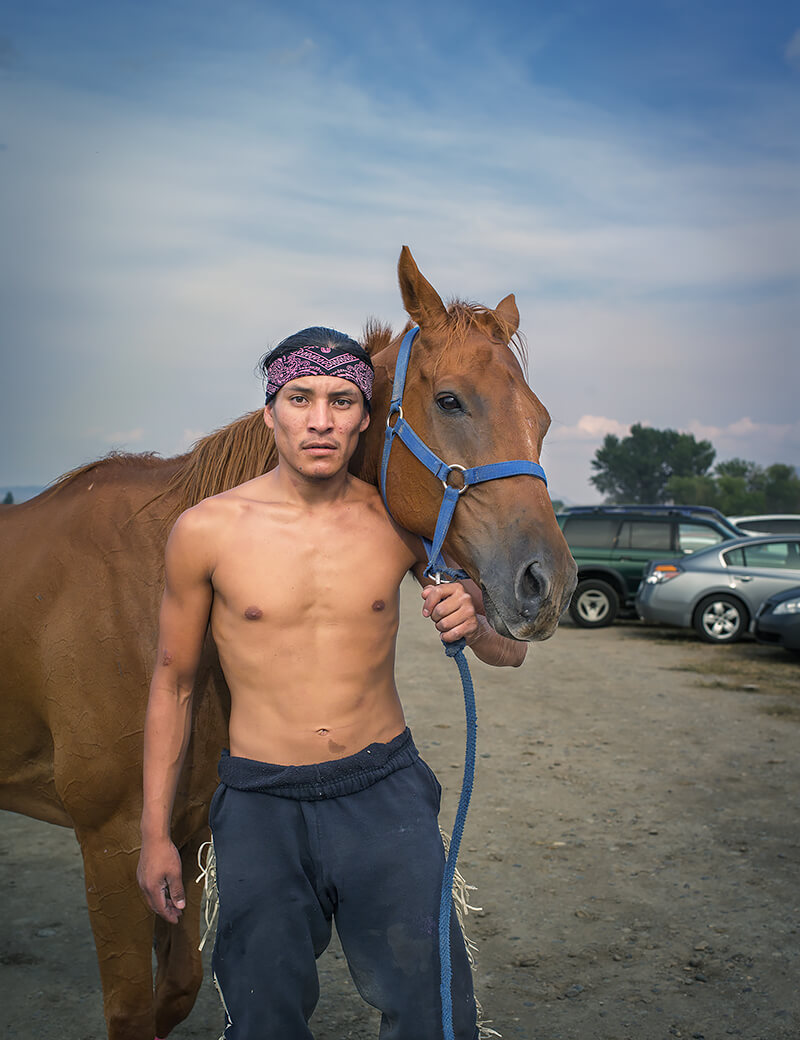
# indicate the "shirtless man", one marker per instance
pixel 325 809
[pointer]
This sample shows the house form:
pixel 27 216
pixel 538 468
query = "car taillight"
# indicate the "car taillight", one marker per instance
pixel 662 572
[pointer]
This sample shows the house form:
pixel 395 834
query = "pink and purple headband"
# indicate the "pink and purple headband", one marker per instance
pixel 312 360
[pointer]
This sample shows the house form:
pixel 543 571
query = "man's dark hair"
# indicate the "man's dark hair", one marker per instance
pixel 319 336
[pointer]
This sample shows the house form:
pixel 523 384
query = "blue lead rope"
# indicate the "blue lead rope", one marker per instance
pixel 456 651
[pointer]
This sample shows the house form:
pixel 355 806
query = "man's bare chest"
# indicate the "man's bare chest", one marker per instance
pixel 323 574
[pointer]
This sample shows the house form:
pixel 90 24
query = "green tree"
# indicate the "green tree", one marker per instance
pixel 781 489
pixel 739 487
pixel 638 468
pixel 9 499
pixel 738 468
pixel 694 491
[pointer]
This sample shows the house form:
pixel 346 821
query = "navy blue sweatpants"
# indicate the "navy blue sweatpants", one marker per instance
pixel 355 840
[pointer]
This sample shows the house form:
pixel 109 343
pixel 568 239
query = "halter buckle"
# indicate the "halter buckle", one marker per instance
pixel 461 469
pixel 398 413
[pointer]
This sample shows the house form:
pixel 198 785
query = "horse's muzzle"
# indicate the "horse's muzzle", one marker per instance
pixel 541 595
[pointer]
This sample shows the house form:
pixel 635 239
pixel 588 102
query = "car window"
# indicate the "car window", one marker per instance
pixel 762 526
pixel 772 525
pixel 785 526
pixel 692 537
pixel 593 532
pixel 646 534
pixel 772 555
pixel 780 555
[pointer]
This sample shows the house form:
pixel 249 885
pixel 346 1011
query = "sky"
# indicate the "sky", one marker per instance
pixel 184 183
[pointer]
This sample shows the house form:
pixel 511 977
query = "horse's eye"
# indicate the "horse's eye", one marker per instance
pixel 448 403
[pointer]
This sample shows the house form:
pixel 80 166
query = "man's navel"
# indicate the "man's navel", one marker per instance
pixel 253 613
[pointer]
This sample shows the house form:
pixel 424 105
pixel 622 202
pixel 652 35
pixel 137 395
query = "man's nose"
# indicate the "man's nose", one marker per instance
pixel 320 417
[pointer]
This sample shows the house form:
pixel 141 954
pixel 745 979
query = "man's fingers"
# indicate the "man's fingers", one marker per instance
pixel 166 897
pixel 441 600
pixel 176 893
pixel 452 635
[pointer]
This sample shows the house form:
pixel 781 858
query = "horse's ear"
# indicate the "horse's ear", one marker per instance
pixel 508 314
pixel 420 299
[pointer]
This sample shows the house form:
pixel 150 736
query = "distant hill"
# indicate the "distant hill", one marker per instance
pixel 21 493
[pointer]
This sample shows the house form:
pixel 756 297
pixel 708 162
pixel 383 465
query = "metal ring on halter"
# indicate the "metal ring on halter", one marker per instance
pixel 461 469
pixel 398 413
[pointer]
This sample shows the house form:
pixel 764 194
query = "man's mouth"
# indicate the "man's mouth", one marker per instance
pixel 319 446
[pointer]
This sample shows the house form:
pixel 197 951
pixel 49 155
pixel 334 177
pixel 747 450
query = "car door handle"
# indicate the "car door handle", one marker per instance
pixel 742 577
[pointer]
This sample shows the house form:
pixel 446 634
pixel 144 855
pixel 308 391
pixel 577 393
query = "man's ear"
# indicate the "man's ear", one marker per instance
pixel 270 422
pixel 365 420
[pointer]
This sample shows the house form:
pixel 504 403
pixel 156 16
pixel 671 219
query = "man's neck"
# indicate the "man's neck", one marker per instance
pixel 308 492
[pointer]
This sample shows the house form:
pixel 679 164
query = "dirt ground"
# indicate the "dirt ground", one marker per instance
pixel 633 838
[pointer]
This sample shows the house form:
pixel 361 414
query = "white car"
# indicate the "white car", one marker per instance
pixel 768 523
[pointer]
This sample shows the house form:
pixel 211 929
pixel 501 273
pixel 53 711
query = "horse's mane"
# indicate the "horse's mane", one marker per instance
pixel 217 462
pixel 245 448
pixel 240 451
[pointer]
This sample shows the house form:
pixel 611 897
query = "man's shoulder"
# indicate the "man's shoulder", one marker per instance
pixel 214 512
pixel 373 503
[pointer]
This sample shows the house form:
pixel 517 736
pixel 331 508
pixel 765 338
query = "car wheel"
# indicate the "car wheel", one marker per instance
pixel 721 619
pixel 594 604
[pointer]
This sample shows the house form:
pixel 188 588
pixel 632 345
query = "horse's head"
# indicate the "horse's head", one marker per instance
pixel 467 399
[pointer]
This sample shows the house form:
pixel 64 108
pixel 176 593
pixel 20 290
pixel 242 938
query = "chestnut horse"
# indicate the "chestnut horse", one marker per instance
pixel 80 607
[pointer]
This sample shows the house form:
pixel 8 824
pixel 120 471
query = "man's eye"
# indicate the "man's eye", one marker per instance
pixel 345 402
pixel 448 403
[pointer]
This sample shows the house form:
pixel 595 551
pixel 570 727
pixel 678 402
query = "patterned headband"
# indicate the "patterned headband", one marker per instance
pixel 312 360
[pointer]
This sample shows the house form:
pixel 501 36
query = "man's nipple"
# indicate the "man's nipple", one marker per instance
pixel 378 604
pixel 253 613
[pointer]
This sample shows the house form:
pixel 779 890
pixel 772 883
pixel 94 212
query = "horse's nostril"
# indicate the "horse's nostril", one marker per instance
pixel 532 587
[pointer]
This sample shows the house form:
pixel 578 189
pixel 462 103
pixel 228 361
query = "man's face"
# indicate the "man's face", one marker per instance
pixel 317 421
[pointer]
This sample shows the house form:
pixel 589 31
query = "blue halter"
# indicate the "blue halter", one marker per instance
pixel 432 462
pixel 438 567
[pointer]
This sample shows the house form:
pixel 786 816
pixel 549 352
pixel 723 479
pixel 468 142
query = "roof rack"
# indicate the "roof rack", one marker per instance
pixel 677 510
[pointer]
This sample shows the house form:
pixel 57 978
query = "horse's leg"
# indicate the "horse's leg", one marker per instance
pixel 180 966
pixel 123 933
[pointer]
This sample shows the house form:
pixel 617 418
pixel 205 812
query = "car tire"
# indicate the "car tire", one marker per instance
pixel 721 619
pixel 594 604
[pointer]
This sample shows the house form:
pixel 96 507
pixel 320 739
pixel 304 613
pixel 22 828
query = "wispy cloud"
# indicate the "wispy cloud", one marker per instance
pixel 590 428
pixel 295 55
pixel 744 435
pixel 792 52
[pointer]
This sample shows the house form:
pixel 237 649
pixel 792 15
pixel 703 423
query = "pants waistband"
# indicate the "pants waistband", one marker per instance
pixel 312 783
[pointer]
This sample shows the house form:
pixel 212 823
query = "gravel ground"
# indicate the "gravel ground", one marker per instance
pixel 633 837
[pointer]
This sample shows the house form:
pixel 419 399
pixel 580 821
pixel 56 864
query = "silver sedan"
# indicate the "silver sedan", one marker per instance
pixel 717 591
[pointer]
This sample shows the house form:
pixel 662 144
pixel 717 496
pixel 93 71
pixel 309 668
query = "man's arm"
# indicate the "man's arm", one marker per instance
pixel 457 610
pixel 183 621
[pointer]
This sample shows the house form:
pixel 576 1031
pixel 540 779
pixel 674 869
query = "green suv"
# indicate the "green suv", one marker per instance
pixel 612 545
